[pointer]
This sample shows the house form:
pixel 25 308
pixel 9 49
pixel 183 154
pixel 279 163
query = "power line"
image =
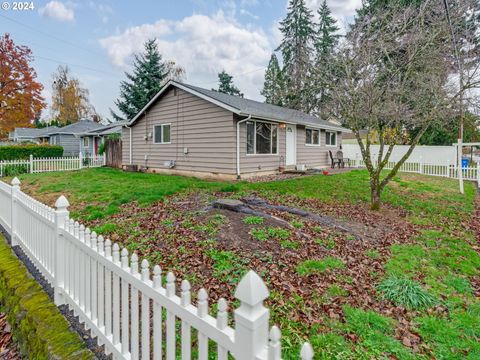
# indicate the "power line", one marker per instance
pixel 76 46
pixel 75 65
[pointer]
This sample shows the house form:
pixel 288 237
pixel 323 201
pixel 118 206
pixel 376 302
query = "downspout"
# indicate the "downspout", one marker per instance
pixel 238 144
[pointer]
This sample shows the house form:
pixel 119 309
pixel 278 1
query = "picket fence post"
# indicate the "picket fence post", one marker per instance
pixel 420 170
pixel 478 174
pixel 251 318
pixel 61 215
pixel 13 221
pixel 80 160
pixel 31 164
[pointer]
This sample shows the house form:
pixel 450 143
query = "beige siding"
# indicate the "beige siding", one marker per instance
pixel 260 163
pixel 315 156
pixel 206 130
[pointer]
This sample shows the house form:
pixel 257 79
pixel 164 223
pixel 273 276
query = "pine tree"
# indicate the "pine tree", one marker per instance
pixel 326 38
pixel 297 50
pixel 226 85
pixel 146 79
pixel 273 85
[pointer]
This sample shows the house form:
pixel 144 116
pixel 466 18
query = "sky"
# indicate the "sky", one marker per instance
pixel 97 39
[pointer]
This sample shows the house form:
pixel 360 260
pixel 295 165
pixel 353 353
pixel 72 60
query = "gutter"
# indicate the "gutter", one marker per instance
pixel 238 143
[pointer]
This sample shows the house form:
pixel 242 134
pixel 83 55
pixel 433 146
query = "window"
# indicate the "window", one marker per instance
pixel 331 138
pixel 86 142
pixel 312 137
pixel 161 134
pixel 262 138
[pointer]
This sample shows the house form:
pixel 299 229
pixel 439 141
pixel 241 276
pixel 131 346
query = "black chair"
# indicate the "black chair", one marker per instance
pixel 333 160
pixel 341 160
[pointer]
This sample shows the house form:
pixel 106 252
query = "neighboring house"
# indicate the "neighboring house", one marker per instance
pixel 93 138
pixel 71 138
pixel 351 139
pixel 188 130
pixel 31 134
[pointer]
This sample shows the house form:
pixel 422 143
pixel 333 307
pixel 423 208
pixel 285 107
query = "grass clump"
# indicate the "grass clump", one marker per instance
pixel 253 220
pixel 406 292
pixel 309 267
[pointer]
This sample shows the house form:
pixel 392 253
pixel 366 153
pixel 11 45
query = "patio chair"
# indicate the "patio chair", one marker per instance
pixel 334 161
pixel 341 160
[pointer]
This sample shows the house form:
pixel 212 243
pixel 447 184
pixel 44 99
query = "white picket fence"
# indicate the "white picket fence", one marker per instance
pixel 127 308
pixel 39 165
pixel 446 170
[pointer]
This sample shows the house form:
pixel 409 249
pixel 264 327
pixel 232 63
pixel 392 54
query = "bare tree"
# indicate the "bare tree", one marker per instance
pixel 391 74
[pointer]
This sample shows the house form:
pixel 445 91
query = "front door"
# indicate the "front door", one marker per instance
pixel 291 151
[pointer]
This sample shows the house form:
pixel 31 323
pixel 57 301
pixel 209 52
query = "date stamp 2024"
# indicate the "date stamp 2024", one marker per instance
pixel 17 5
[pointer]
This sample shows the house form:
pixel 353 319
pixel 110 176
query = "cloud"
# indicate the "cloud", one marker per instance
pixel 58 11
pixel 204 45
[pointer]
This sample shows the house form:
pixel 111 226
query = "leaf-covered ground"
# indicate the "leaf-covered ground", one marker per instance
pixel 403 283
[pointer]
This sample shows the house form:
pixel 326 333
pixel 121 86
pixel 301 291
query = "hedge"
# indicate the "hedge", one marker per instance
pixel 23 151
pixel 38 328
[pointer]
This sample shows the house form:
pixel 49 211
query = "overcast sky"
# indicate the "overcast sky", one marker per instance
pixel 96 39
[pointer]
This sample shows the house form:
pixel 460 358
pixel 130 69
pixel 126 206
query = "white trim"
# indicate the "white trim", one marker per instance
pixel 255 139
pixel 153 134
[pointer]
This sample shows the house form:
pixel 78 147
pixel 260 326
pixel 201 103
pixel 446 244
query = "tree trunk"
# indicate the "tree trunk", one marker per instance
pixel 375 193
pixel 375 199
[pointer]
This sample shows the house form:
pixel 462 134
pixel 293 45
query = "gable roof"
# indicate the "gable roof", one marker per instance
pixel 80 127
pixel 247 107
pixel 33 132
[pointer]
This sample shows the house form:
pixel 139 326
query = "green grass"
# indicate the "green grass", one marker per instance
pixel 441 257
pixel 319 266
pixel 273 233
pixel 104 190
pixel 253 220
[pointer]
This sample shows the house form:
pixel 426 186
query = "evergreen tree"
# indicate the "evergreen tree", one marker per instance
pixel 297 50
pixel 326 38
pixel 226 86
pixel 273 84
pixel 326 33
pixel 146 79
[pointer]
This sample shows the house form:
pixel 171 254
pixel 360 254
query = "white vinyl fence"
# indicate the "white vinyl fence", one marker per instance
pixel 39 165
pixel 450 171
pixel 127 306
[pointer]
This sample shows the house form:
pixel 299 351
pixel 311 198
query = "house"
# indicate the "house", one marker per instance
pixel 188 130
pixel 71 138
pixel 97 136
pixel 31 134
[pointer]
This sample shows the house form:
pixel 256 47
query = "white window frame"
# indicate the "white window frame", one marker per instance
pixel 88 142
pixel 327 134
pixel 319 137
pixel 255 138
pixel 162 142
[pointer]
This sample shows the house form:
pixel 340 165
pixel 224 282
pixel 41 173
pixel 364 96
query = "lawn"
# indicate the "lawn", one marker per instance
pixel 401 283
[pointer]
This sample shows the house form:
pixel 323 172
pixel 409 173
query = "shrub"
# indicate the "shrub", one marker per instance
pixel 23 151
pixel 14 170
pixel 407 293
